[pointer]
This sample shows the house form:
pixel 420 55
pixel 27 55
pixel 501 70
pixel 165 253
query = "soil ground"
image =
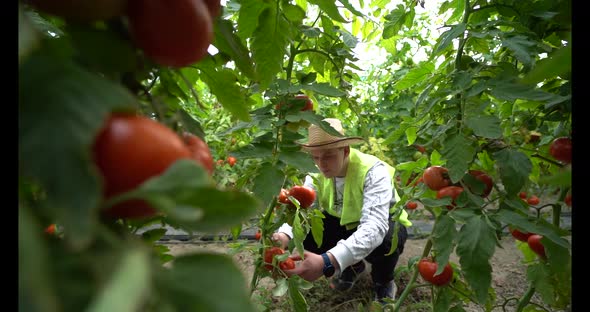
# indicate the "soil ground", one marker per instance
pixel 508 277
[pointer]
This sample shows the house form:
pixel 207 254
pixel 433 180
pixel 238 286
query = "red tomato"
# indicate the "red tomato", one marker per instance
pixel 534 242
pixel 305 195
pixel 129 150
pixel 50 229
pixel 533 200
pixel 214 7
pixel 561 149
pixel 258 235
pixel 568 199
pixel 307 106
pixel 412 205
pixel 522 195
pixel 269 254
pixel 486 179
pixel 87 10
pixel 288 264
pixel 420 148
pixel 199 150
pixel 436 177
pixel 521 236
pixel 449 191
pixel 231 161
pixel 427 268
pixel 284 196
pixel 172 33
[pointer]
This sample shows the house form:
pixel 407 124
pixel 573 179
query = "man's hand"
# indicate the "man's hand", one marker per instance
pixel 309 269
pixel 281 238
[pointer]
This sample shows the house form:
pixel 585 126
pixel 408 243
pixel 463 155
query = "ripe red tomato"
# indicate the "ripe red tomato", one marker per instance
pixel 50 229
pixel 561 149
pixel 436 177
pixel 305 195
pixel 199 150
pixel 172 33
pixel 288 264
pixel 521 236
pixel 568 199
pixel 412 205
pixel 231 161
pixel 284 196
pixel 427 268
pixel 130 149
pixel 534 242
pixel 522 195
pixel 449 191
pixel 533 200
pixel 258 235
pixel 486 179
pixel 420 148
pixel 269 254
pixel 308 103
pixel 214 7
pixel 88 10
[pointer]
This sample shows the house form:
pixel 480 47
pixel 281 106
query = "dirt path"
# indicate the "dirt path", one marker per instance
pixel 508 276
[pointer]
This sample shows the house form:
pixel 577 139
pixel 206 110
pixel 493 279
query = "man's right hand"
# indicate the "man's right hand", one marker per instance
pixel 282 238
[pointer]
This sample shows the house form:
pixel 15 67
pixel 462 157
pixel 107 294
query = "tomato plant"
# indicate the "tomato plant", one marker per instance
pixel 449 191
pixel 129 150
pixel 521 236
pixel 88 10
pixel 305 195
pixel 534 242
pixel 436 177
pixel 199 151
pixel 231 160
pixel 427 267
pixel 412 205
pixel 172 33
pixel 561 149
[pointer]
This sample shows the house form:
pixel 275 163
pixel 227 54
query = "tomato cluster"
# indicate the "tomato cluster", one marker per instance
pixel 427 267
pixel 305 195
pixel 532 239
pixel 171 33
pixel 130 149
pixel 270 253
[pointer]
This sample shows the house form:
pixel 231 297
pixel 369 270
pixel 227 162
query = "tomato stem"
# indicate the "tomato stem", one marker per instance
pixel 409 287
pixel 523 302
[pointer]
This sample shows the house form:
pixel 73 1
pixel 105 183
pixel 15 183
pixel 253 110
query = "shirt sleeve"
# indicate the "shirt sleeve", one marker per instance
pixel 374 222
pixel 286 228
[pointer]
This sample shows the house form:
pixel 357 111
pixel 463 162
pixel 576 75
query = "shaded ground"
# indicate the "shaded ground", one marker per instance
pixel 508 277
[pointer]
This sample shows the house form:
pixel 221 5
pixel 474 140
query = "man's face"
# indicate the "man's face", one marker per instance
pixel 331 161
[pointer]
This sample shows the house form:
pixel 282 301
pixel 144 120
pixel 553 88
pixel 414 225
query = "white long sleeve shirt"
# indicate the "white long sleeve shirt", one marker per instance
pixel 378 197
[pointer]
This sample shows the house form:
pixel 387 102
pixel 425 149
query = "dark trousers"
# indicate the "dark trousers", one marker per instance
pixel 382 267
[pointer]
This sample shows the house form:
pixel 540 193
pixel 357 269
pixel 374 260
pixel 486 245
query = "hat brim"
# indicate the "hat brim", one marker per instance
pixel 347 141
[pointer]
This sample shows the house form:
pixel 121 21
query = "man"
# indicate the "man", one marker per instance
pixel 355 191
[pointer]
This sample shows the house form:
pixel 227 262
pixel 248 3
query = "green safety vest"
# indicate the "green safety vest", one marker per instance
pixel 352 202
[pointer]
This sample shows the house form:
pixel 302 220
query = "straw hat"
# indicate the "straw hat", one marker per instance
pixel 319 139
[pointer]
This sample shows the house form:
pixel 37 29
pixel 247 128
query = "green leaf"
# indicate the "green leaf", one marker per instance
pixel 444 234
pixel 204 282
pixel 222 83
pixel 128 287
pixel 446 39
pixel 415 76
pixel 324 88
pixel 317 226
pixel 394 22
pixel 28 36
pixel 539 276
pixel 300 160
pixel 522 47
pixel 485 126
pixel 298 232
pixel 61 109
pixel 515 168
pixel 293 12
pixel 559 63
pixel 459 152
pixel 153 235
pixel 411 135
pixel 267 183
pixel 35 292
pixel 228 42
pixel 523 223
pixel 476 244
pixel 511 91
pixel 351 8
pixel 297 299
pixel 269 45
pixel 249 14
pixel 562 179
pixel 330 8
